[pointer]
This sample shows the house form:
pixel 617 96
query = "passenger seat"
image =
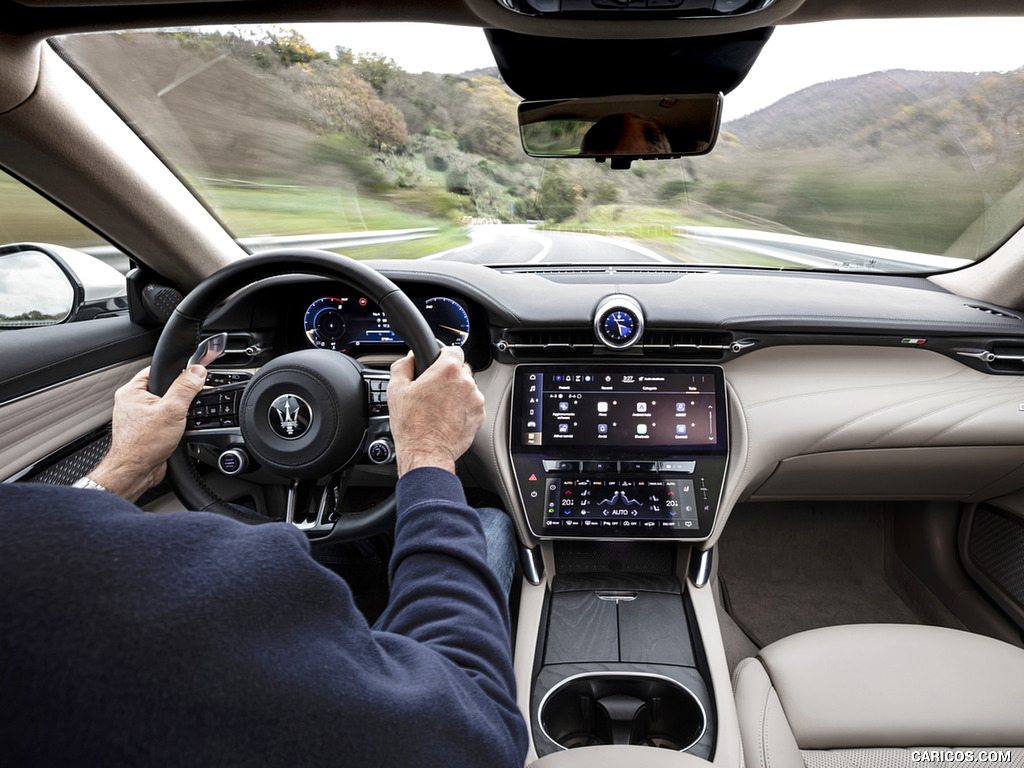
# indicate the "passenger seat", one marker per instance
pixel 882 696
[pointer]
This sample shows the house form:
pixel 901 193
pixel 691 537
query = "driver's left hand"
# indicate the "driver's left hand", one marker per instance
pixel 146 430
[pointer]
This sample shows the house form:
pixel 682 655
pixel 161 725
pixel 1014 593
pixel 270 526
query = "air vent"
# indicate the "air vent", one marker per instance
pixel 996 357
pixel 992 311
pixel 693 345
pixel 548 343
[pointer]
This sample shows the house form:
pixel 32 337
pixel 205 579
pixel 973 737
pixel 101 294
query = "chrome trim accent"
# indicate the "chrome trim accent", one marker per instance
pixel 243 461
pixel 617 597
pixel 571 678
pixel 533 565
pixel 289 509
pixel 209 349
pixel 989 357
pixel 700 567
pixel 981 354
pixel 742 344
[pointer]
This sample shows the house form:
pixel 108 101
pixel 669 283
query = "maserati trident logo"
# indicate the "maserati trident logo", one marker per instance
pixel 290 416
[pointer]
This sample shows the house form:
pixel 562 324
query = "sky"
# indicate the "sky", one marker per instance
pixel 794 58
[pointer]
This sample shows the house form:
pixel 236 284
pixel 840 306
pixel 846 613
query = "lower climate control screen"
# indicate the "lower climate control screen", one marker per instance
pixel 634 503
pixel 611 451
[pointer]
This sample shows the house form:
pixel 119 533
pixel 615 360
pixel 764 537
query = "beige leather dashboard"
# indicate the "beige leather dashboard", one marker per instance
pixel 850 422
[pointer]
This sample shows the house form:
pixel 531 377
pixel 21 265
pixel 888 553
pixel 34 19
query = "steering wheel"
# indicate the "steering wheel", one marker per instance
pixel 304 415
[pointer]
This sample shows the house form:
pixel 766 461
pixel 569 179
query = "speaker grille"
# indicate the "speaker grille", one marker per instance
pixel 996 547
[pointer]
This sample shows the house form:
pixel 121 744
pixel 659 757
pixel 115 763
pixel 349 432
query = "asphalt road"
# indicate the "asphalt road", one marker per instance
pixel 522 244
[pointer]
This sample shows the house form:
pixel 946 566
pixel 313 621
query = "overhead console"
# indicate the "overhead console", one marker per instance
pixel 619 451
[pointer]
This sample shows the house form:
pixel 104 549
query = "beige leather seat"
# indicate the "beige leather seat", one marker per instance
pixel 882 696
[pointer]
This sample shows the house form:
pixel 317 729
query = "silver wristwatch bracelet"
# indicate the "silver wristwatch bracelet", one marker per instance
pixel 85 482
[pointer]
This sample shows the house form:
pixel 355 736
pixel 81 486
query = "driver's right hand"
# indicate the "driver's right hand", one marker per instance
pixel 435 417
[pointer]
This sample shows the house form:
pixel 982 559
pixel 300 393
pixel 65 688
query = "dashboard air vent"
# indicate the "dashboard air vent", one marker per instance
pixel 548 343
pixel 693 345
pixel 992 311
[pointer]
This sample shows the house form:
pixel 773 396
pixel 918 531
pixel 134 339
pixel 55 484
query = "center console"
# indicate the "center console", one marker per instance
pixel 619 452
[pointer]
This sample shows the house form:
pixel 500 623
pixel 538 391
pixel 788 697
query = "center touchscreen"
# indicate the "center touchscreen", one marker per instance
pixel 632 409
pixel 616 451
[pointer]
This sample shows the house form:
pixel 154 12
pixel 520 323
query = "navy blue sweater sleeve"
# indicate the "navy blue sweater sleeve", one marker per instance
pixel 189 639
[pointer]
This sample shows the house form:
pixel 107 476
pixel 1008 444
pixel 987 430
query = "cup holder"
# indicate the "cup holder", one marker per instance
pixel 624 708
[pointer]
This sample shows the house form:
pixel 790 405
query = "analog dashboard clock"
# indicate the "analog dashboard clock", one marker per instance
pixel 619 325
pixel 619 322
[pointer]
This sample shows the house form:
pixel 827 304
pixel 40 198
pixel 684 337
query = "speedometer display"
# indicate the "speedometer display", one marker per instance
pixel 448 320
pixel 347 323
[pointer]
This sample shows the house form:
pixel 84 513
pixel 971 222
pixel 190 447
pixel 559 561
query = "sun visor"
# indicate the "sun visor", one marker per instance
pixel 554 68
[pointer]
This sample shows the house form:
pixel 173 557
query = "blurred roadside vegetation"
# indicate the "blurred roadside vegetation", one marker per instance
pixel 283 139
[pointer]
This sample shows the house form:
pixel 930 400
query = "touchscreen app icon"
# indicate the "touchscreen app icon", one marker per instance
pixel 641 429
pixel 641 407
pixel 563 405
pixel 602 407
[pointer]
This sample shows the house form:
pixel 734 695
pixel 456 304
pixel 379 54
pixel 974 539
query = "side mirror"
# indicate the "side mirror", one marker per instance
pixel 623 128
pixel 50 284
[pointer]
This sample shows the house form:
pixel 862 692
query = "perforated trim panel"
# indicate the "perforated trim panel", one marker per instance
pixel 69 469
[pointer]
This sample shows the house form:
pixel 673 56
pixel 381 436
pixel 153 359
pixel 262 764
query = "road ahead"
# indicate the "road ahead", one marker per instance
pixel 522 244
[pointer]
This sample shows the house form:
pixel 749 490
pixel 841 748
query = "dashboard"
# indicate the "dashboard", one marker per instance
pixel 645 404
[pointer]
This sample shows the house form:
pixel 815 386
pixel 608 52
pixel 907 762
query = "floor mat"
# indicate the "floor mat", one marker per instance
pixel 786 568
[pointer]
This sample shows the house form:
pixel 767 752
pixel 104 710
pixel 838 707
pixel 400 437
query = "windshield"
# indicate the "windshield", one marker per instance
pixel 863 146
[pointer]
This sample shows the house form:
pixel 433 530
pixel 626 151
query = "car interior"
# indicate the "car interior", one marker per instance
pixel 766 515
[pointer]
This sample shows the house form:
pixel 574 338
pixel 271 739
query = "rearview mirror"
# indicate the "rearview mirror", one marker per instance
pixel 623 128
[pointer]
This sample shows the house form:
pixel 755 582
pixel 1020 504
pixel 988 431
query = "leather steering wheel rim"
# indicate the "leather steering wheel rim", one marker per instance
pixel 183 331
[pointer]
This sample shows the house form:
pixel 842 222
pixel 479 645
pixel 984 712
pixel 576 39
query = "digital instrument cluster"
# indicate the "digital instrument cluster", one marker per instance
pixel 346 322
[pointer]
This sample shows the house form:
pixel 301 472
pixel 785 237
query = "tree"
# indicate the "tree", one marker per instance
pixel 349 105
pixel 491 124
pixel 383 124
pixel 376 69
pixel 556 200
pixel 291 46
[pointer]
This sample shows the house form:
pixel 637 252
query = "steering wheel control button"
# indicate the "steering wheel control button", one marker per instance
pixel 212 410
pixel 290 416
pixel 381 451
pixel 233 461
pixel 377 391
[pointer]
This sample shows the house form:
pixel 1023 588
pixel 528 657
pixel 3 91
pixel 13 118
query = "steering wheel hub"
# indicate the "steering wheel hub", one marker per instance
pixel 304 414
pixel 290 416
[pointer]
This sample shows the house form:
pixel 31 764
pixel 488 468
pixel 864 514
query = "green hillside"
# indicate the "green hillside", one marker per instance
pixel 285 139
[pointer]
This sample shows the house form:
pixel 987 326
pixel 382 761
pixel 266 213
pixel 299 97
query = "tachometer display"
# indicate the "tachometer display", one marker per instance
pixel 344 324
pixel 325 323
